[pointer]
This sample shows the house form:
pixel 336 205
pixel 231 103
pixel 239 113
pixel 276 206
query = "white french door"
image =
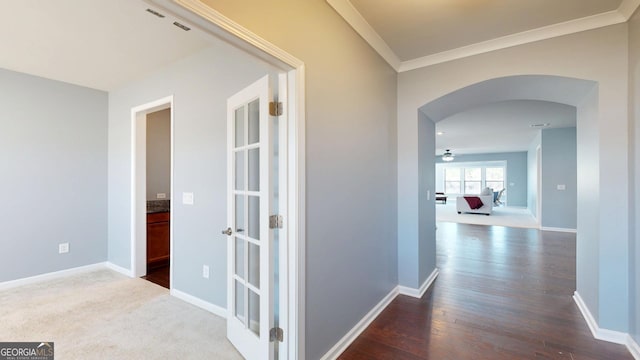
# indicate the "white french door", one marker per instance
pixel 250 284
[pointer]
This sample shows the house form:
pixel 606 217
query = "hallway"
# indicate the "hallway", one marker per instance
pixel 502 293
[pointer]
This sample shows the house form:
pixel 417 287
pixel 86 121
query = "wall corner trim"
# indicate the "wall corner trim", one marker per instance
pixel 611 336
pixel 346 340
pixel 547 228
pixel 212 308
pixel 417 293
pixel 118 268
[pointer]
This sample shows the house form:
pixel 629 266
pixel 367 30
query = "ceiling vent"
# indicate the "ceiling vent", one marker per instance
pixel 183 27
pixel 155 13
pixel 544 125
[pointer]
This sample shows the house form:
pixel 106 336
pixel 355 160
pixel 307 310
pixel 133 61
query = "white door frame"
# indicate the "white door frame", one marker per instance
pixel 539 186
pixel 139 186
pixel 213 22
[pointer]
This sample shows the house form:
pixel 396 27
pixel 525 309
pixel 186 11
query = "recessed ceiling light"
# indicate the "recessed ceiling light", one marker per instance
pixel 540 125
pixel 440 133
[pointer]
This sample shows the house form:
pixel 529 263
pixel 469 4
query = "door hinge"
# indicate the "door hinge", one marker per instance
pixel 276 222
pixel 276 334
pixel 275 108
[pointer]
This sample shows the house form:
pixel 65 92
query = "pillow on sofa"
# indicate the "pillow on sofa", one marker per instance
pixel 474 202
pixel 487 191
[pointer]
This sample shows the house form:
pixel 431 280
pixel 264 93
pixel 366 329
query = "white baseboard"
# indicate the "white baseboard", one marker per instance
pixel 120 269
pixel 212 308
pixel 346 340
pixel 417 293
pixel 52 275
pixel 633 347
pixel 547 228
pixel 611 336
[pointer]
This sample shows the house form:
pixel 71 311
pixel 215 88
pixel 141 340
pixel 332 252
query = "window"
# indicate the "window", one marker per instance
pixel 452 181
pixel 472 180
pixel 495 178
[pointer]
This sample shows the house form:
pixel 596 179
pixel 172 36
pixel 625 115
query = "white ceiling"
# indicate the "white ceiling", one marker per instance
pixel 414 33
pixel 101 44
pixel 418 28
pixel 501 126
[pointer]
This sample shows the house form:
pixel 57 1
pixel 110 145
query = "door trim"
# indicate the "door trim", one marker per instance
pixel 139 185
pixel 539 186
pixel 216 24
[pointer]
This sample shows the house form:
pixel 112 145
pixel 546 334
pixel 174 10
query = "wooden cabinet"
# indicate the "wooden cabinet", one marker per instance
pixel 158 239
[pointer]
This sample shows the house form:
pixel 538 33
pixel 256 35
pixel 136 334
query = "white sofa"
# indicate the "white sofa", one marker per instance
pixel 487 205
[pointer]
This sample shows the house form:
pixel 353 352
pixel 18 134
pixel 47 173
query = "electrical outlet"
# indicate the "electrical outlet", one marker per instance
pixel 63 248
pixel 205 271
pixel 187 198
pixel 161 196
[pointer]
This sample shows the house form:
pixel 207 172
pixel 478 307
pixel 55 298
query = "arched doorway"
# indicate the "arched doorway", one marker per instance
pixel 600 245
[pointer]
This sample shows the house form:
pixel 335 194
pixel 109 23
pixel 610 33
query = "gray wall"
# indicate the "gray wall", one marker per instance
pixel 516 173
pixel 200 85
pixel 559 207
pixel 351 161
pixel 532 175
pixel 634 253
pixel 53 155
pixel 159 154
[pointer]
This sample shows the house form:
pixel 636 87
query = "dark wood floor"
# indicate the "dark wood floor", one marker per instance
pixel 159 275
pixel 502 293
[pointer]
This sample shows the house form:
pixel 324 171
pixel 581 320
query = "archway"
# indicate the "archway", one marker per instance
pixel 601 280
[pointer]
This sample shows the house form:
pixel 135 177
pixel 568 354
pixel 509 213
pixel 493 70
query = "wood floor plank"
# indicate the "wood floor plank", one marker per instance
pixel 502 293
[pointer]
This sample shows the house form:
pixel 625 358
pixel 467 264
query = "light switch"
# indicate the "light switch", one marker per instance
pixel 428 194
pixel 187 198
pixel 562 187
pixel 161 196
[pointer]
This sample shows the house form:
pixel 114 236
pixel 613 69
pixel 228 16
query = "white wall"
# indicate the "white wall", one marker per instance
pixel 53 161
pixel 351 161
pixel 532 175
pixel 200 85
pixel 599 55
pixel 159 154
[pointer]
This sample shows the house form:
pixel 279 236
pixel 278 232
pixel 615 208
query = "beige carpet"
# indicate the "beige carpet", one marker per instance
pixel 501 216
pixel 105 315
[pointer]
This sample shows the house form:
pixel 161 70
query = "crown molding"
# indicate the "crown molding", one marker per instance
pixel 353 17
pixel 236 30
pixel 362 27
pixel 628 7
pixel 525 37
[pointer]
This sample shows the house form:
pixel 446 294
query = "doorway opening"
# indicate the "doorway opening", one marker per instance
pixel 152 191
pixel 158 164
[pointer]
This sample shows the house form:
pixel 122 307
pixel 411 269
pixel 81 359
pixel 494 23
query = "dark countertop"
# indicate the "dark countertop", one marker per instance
pixel 158 206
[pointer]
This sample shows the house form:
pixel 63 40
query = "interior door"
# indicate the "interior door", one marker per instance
pixel 250 284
